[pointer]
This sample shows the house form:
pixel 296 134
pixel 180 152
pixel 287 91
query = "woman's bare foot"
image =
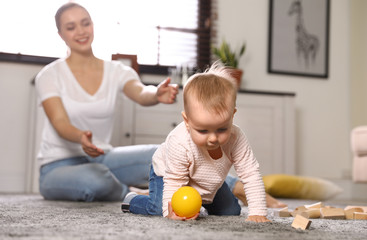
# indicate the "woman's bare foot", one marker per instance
pixel 139 191
pixel 271 202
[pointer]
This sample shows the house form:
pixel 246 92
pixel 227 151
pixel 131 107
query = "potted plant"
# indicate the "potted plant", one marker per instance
pixel 230 58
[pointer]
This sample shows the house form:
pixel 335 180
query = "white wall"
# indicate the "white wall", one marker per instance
pixel 323 117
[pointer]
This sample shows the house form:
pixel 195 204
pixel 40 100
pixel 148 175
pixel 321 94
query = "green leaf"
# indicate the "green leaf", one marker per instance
pixel 228 56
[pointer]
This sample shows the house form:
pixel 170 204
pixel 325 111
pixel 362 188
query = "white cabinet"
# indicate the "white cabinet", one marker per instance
pixel 152 124
pixel 146 125
pixel 269 124
pixel 266 118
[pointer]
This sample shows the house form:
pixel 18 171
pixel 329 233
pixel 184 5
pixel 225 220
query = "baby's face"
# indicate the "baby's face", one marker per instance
pixel 208 129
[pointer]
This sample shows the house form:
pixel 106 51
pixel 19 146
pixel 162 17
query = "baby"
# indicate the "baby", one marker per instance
pixel 199 153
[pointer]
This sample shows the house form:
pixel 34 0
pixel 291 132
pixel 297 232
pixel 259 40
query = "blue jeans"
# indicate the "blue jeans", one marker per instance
pixel 224 202
pixel 105 178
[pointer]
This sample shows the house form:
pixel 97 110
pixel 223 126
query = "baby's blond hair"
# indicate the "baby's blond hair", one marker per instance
pixel 215 89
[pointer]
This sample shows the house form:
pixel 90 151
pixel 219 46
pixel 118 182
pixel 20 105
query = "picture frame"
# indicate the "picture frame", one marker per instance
pixel 127 59
pixel 299 37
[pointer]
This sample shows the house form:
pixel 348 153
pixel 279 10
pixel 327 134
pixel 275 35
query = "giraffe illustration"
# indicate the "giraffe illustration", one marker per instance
pixel 306 44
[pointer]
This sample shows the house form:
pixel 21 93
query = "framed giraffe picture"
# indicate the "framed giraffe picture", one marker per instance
pixel 299 37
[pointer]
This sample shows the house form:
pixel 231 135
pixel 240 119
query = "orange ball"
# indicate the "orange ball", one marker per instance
pixel 186 202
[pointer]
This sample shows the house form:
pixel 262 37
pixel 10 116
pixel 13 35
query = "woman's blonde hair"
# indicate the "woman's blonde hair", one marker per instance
pixel 215 89
pixel 62 9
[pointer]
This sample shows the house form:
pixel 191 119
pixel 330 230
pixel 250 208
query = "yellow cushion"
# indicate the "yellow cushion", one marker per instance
pixel 290 186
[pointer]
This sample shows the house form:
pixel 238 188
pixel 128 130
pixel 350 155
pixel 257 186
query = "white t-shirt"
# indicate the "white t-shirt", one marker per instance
pixel 85 111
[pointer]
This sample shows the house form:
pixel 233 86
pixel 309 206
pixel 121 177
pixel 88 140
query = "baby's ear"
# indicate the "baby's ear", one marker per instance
pixel 234 111
pixel 184 116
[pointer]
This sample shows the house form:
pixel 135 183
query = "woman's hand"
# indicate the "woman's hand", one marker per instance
pixel 173 216
pixel 256 218
pixel 166 92
pixel 87 145
pixel 150 95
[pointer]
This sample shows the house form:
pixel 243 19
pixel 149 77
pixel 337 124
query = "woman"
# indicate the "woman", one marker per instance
pixel 78 94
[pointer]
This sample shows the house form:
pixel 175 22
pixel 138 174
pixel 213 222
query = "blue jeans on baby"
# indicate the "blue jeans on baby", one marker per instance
pixel 105 178
pixel 224 202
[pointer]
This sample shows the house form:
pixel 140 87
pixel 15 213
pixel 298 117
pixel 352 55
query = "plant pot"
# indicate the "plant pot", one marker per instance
pixel 237 75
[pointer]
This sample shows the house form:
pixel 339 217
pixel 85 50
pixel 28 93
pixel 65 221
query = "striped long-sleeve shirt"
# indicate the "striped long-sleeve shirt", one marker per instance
pixel 182 163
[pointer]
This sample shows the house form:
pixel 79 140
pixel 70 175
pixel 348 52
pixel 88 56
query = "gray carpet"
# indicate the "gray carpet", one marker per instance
pixel 31 217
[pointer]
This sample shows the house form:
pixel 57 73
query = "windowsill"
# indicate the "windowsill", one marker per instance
pixel 143 69
pixel 42 60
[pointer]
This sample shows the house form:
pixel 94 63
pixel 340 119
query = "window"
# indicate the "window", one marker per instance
pixel 159 32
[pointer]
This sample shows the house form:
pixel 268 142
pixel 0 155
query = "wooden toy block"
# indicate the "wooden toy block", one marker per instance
pixel 315 205
pixel 301 222
pixel 284 212
pixel 360 216
pixel 332 213
pixel 311 213
pixel 363 207
pixel 349 213
pixel 298 210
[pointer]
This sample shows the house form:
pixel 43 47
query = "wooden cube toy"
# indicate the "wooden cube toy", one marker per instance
pixel 349 213
pixel 360 216
pixel 283 212
pixel 332 213
pixel 301 222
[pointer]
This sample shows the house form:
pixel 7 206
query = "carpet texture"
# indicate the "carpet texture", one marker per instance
pixel 32 217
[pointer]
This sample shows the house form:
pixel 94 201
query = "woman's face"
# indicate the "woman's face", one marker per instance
pixel 76 29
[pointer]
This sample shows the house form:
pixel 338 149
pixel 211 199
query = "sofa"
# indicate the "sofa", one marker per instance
pixel 359 149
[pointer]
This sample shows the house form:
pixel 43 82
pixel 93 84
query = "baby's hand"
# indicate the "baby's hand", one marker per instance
pixel 173 216
pixel 256 218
